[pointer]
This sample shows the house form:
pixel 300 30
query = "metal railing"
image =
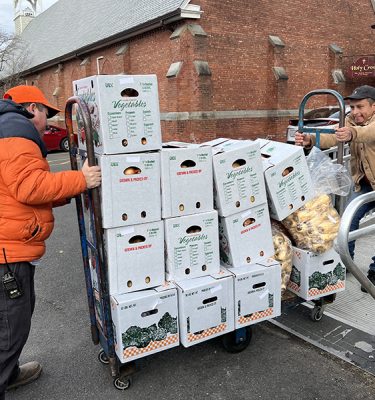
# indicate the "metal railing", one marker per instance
pixel 345 236
pixel 347 214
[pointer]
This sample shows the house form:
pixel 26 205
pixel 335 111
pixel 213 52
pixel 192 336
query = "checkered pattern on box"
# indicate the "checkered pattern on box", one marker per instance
pixel 294 286
pixel 206 333
pixel 256 315
pixel 134 351
pixel 327 289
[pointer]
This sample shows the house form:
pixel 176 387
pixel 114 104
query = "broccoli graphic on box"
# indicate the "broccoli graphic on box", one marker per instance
pixel 295 276
pixel 320 281
pixel 270 300
pixel 223 314
pixel 142 337
pixel 339 271
pixel 168 323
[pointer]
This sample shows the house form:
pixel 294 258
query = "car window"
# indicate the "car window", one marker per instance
pixel 336 115
pixel 321 112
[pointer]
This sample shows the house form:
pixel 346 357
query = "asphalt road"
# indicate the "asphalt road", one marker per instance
pixel 276 365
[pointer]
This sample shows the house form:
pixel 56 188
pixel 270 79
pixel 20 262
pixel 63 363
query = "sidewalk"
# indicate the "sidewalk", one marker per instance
pixel 347 329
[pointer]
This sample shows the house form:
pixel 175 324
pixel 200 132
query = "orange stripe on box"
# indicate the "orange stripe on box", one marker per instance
pixel 257 315
pixel 327 289
pixel 207 333
pixel 293 286
pixel 133 351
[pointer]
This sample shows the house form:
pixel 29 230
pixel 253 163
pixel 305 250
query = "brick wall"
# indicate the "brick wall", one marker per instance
pixel 240 58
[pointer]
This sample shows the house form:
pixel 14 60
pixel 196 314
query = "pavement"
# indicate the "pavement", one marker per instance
pixel 276 365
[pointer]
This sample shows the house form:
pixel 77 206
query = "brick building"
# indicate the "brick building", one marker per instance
pixel 225 67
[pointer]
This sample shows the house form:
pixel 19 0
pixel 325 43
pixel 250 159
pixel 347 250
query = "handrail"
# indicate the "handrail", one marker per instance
pixel 345 236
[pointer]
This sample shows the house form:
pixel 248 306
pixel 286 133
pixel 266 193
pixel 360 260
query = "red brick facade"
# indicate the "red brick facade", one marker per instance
pixel 240 57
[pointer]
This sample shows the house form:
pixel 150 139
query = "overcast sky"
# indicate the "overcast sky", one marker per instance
pixel 7 13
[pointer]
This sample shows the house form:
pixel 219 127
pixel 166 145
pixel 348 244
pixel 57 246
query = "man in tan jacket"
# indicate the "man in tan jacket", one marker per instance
pixel 359 132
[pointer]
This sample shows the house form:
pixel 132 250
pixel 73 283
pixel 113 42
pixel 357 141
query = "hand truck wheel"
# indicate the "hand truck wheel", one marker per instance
pixel 125 379
pixel 122 382
pixel 317 313
pixel 238 340
pixel 102 357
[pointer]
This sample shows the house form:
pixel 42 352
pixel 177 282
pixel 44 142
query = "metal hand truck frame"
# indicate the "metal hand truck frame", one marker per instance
pixel 321 302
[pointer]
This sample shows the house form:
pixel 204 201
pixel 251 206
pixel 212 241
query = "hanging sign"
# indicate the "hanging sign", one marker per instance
pixel 363 67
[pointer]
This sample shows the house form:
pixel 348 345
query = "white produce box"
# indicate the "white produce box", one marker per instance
pixel 145 322
pixel 130 188
pixel 205 307
pixel 186 179
pixel 246 237
pixel 192 246
pixel 257 292
pixel 316 275
pixel 238 175
pixel 135 257
pixel 124 112
pixel 287 177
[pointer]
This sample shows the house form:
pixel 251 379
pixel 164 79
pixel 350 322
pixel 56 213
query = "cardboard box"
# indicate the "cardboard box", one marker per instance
pixel 124 111
pixel 238 175
pixel 145 322
pixel 135 257
pixel 186 179
pixel 246 238
pixel 205 307
pixel 287 177
pixel 130 189
pixel 257 292
pixel 316 275
pixel 192 246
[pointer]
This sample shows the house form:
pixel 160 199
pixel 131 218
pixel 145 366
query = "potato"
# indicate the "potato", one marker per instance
pixel 315 225
pixel 283 252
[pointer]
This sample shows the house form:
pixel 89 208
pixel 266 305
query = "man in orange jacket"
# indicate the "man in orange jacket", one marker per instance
pixel 28 192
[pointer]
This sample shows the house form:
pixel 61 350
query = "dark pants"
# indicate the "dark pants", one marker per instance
pixel 365 188
pixel 15 322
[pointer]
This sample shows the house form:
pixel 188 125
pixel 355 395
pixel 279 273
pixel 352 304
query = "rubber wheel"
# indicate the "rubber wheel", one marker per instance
pixel 231 343
pixel 317 313
pixel 102 357
pixel 122 382
pixel 64 145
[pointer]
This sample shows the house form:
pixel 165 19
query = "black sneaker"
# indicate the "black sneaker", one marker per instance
pixel 371 276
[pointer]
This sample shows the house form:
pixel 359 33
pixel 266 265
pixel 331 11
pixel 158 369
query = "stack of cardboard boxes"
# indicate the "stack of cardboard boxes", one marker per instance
pixel 173 213
pixel 289 187
pixel 245 230
pixel 205 293
pixel 125 117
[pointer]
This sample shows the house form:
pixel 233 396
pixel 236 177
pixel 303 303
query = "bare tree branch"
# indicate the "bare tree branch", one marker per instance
pixel 14 59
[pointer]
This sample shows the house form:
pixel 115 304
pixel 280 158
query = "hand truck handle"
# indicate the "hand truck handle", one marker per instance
pixel 301 112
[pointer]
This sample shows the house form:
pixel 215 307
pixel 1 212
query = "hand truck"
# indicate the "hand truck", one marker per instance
pixel 320 303
pixel 99 297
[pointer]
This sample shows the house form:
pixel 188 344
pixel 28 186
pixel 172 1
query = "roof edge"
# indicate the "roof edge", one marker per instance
pixel 188 11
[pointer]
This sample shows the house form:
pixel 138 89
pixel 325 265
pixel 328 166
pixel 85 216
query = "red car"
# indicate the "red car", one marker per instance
pixel 56 138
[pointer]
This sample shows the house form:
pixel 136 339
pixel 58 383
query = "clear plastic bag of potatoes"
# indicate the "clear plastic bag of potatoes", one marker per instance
pixel 283 252
pixel 315 225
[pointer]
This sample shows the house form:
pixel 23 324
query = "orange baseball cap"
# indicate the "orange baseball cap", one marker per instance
pixel 30 94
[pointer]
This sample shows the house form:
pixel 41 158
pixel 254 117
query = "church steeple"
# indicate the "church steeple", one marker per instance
pixel 24 12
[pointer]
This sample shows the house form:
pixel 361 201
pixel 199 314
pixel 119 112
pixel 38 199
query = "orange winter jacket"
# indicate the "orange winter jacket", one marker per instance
pixel 28 190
